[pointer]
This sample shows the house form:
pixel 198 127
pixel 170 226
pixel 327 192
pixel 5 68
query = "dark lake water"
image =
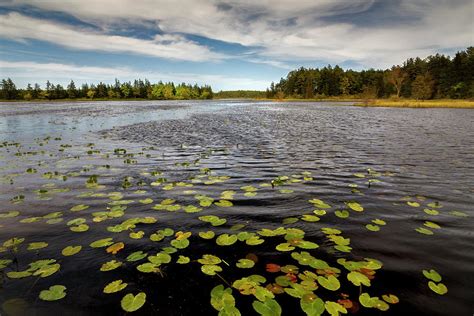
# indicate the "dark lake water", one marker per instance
pixel 411 170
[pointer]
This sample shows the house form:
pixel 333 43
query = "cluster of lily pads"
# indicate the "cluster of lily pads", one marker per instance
pixel 305 271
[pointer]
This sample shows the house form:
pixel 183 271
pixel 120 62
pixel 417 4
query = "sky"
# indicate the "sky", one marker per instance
pixel 228 44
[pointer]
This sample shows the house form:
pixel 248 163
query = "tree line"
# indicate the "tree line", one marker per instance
pixel 138 89
pixel 437 76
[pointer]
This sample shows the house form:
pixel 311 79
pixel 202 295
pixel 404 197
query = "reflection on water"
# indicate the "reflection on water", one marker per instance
pixel 422 155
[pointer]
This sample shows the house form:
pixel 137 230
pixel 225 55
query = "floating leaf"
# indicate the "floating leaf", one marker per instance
pixel 79 207
pixel 224 203
pixel 285 247
pixel 432 225
pixel 113 249
pixel 54 293
pixel 269 307
pixel 110 265
pixel 358 278
pixel 245 263
pixel 334 308
pixel 342 214
pixel 183 260
pixel 431 212
pixel 310 218
pixel 424 231
pixel 71 250
pixel 136 256
pixel 413 204
pixel 432 275
pixel 374 228
pixel 355 206
pixel 330 282
pixel 37 245
pixel 102 243
pixel 131 303
pixel 312 305
pixel 210 269
pixel 207 235
pixel 226 240
pixel 390 298
pixel 115 286
pixel 439 288
pixel 209 259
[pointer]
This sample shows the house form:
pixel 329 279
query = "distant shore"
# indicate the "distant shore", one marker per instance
pixel 398 103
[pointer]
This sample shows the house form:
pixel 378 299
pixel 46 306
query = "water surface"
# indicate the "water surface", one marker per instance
pixel 408 155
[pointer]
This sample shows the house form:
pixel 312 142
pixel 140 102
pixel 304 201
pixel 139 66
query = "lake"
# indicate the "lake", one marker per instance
pixel 324 202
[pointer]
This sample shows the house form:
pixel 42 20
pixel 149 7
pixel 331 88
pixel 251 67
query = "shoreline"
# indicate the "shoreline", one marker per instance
pixel 400 103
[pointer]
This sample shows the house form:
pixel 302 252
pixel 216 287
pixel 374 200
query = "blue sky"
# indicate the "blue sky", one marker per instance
pixel 228 44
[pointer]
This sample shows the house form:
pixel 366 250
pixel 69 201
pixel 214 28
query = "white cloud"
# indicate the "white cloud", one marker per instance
pixel 19 27
pixel 24 72
pixel 278 31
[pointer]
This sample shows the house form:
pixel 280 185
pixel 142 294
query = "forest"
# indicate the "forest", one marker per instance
pixel 139 89
pixel 435 77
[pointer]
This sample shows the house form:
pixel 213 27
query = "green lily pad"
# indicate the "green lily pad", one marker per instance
pixel 226 240
pixel 458 214
pixel 430 211
pixel 390 298
pixel 207 234
pixel 136 256
pixel 37 245
pixel 160 258
pixel 245 263
pixel 355 206
pixel 18 274
pixel 210 269
pixel 131 303
pixel 373 228
pixel 224 203
pixel 358 278
pixel 285 247
pixel 432 225
pixel 379 222
pixel 269 307
pixel 183 260
pixel 209 260
pixel 342 214
pixel 312 305
pixel 110 265
pixel 54 293
pixel 148 267
pixel 310 218
pixel 424 231
pixel 319 203
pixel 79 207
pixel 432 275
pixel 439 288
pixel 71 250
pixel 413 204
pixel 115 286
pixel 102 243
pixel 330 282
pixel 334 309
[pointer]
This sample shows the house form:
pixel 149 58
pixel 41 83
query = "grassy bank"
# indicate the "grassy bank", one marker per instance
pixel 396 103
pixel 410 103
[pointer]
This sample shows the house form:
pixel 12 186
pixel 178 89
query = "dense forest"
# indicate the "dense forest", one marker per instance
pixel 437 77
pixel 139 89
pixel 240 94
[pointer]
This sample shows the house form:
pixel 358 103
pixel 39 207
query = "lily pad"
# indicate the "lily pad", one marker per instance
pixel 54 293
pixel 269 307
pixel 439 288
pixel 71 250
pixel 115 286
pixel 132 303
